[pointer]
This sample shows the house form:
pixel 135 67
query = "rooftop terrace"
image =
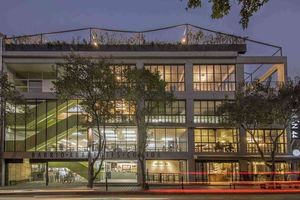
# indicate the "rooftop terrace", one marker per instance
pixel 185 37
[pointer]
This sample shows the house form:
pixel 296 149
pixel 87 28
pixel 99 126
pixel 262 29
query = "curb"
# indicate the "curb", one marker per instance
pixel 152 192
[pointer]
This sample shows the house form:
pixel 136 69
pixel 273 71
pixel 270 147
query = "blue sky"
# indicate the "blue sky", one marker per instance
pixel 278 22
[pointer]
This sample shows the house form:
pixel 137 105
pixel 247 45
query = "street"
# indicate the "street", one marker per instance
pixel 164 197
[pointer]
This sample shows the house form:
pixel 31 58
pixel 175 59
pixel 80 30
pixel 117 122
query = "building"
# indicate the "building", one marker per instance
pixel 45 139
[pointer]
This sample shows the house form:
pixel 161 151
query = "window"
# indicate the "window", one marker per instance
pixel 123 112
pixel 173 112
pixel 265 139
pixel 214 77
pixel 167 139
pixel 119 71
pixel 45 125
pixel 216 140
pixel 120 139
pixel 207 112
pixel 219 171
pixel 173 75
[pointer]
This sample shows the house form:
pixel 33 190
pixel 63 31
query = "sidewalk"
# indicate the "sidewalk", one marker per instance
pixel 135 190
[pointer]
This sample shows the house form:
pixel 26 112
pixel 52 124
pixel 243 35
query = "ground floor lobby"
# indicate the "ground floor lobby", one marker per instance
pixel 70 172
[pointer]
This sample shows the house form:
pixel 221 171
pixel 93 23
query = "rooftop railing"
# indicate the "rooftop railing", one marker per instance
pixel 178 34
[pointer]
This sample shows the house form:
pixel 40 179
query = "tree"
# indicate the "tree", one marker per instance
pixel 221 8
pixel 142 87
pixel 94 84
pixel 258 106
pixel 8 95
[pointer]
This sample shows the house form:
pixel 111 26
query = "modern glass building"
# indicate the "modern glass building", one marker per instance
pixel 45 139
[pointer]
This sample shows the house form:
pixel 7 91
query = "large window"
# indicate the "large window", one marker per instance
pixel 214 77
pixel 167 139
pixel 119 71
pixel 121 139
pixel 216 140
pixel 259 171
pixel 164 171
pixel 207 112
pixel 219 171
pixel 163 112
pixel 34 81
pixel 173 75
pixel 45 125
pixel 265 139
pixel 123 112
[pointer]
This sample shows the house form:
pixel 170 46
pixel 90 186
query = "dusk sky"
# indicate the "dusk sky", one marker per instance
pixel 278 22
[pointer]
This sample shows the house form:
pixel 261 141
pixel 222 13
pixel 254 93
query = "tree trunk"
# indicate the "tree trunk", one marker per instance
pixel 144 185
pixel 90 171
pixel 272 168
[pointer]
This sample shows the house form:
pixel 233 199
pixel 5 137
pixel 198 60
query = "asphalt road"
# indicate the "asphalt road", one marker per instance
pixel 165 197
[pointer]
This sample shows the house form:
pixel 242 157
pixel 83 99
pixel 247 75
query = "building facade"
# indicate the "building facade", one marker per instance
pixel 45 140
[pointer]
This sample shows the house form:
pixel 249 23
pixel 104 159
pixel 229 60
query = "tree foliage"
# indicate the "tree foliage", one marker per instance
pixel 94 84
pixel 258 106
pixel 221 8
pixel 143 86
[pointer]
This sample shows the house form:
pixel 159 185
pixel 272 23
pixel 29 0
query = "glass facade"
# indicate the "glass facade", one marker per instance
pixel 260 172
pixel 119 71
pixel 34 81
pixel 123 112
pixel 173 112
pixel 45 125
pixel 173 75
pixel 216 140
pixel 166 171
pixel 265 139
pixel 214 77
pixel 121 139
pixel 217 171
pixel 207 112
pixel 167 139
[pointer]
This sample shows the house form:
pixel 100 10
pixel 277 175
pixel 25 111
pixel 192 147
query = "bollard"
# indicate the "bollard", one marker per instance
pixel 182 186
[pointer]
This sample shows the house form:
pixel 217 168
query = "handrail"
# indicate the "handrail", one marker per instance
pixel 148 31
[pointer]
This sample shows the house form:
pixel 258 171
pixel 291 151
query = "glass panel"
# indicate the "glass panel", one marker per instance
pixel 41 126
pixel 31 125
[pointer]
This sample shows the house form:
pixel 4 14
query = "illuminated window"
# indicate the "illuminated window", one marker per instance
pixel 119 71
pixel 216 140
pixel 173 75
pixel 207 112
pixel 163 112
pixel 119 139
pixel 123 111
pixel 167 139
pixel 214 77
pixel 265 139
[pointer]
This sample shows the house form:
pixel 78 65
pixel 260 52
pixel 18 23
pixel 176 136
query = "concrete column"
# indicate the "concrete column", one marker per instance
pixel 242 141
pixel 2 172
pixel 191 169
pixel 188 71
pixel 243 169
pixel 189 119
pixel 239 73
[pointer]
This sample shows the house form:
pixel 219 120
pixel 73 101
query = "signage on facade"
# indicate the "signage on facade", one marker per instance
pixel 295 128
pixel 296 152
pixel 84 155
